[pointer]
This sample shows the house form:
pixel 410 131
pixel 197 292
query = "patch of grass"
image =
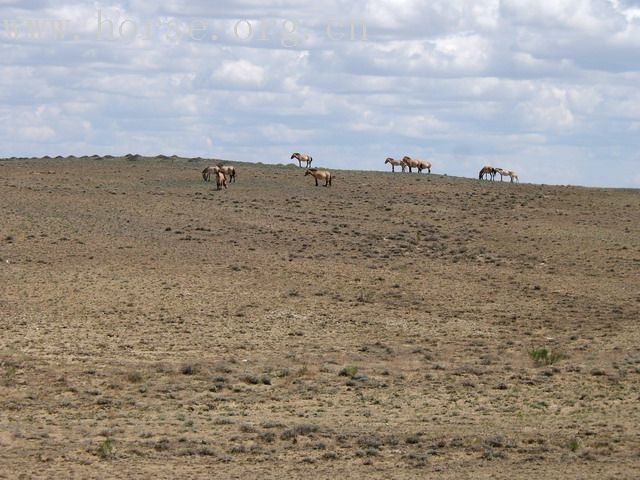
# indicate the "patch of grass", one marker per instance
pixel 365 296
pixel 348 371
pixel 189 369
pixel 304 429
pixel 106 449
pixel 134 377
pixel 574 444
pixel 542 356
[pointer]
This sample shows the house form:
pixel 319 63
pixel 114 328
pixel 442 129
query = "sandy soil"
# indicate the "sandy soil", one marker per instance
pixel 153 327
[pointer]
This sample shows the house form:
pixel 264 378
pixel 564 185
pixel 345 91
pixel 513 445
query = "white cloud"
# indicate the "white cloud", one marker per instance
pixel 553 83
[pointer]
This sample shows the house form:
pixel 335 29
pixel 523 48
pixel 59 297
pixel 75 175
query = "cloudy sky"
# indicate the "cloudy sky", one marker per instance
pixel 549 88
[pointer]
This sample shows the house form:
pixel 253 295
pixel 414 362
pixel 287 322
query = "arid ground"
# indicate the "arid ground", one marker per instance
pixel 391 326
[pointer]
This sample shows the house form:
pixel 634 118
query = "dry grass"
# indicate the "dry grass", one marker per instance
pixel 377 329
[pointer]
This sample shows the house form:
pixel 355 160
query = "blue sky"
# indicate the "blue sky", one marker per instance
pixel 546 88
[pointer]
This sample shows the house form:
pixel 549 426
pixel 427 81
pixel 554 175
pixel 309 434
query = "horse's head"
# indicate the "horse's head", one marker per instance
pixel 294 155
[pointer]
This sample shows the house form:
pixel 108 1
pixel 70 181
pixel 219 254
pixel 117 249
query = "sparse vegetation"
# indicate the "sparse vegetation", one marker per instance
pixel 574 444
pixel 106 449
pixel 542 356
pixel 131 350
pixel 348 371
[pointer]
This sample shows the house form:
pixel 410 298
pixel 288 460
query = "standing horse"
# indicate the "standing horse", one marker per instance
pixel 424 164
pixel 320 174
pixel 221 180
pixel 302 157
pixel 395 163
pixel 229 171
pixel 411 163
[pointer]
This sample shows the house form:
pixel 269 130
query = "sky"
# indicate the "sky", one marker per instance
pixel 548 88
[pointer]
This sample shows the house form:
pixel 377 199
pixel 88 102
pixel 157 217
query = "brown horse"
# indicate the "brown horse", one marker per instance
pixel 418 164
pixel 487 171
pixel 228 171
pixel 320 174
pixel 411 163
pixel 207 172
pixel 221 180
pixel 395 163
pixel 302 157
pixel 424 164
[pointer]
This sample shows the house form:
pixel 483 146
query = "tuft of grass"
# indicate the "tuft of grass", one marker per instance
pixel 305 429
pixel 542 356
pixel 134 377
pixel 348 371
pixel 189 369
pixel 365 296
pixel 105 450
pixel 574 445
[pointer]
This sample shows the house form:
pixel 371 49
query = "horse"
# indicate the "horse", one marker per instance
pixel 411 163
pixel 302 157
pixel 513 175
pixel 207 172
pixel 424 164
pixel 221 180
pixel 395 163
pixel 507 173
pixel 229 171
pixel 487 171
pixel 320 174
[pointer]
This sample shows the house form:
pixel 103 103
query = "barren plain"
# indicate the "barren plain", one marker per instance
pixel 390 326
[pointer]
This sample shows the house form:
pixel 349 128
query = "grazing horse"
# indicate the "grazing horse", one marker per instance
pixel 513 175
pixel 411 163
pixel 320 174
pixel 207 172
pixel 395 163
pixel 302 157
pixel 487 171
pixel 229 171
pixel 507 173
pixel 221 180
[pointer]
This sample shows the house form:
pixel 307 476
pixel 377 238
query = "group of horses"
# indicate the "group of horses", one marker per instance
pixel 222 172
pixel 488 172
pixel 410 163
pixel 316 173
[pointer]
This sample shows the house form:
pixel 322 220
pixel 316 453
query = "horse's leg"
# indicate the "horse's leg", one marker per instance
pixel 316 181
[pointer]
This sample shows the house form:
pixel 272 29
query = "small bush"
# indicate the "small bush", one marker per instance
pixel 542 356
pixel 189 369
pixel 134 377
pixel 348 371
pixel 105 450
pixel 574 445
pixel 304 429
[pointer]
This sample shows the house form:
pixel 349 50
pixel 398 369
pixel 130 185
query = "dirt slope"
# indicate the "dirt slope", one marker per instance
pixel 380 328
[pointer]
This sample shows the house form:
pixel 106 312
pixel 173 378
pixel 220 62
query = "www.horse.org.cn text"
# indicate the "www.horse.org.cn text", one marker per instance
pixel 287 33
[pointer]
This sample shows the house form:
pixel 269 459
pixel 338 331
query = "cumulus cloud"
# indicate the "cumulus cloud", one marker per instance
pixel 541 87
